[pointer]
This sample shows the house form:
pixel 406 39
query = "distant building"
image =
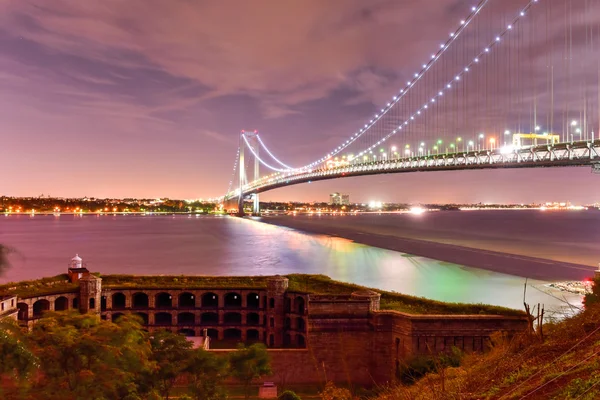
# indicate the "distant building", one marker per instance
pixel 339 199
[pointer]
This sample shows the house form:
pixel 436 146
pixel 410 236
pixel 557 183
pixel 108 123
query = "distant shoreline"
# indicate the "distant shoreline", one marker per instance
pixel 110 213
pixel 512 264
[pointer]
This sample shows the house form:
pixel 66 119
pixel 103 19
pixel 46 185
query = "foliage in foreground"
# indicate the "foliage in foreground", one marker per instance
pixel 68 356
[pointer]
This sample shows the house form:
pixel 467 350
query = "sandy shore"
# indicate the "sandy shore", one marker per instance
pixel 403 241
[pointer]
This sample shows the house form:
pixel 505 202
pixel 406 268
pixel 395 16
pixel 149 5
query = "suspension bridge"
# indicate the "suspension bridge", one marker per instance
pixel 515 85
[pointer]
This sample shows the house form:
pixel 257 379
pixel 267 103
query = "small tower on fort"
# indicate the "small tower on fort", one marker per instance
pixel 90 292
pixel 276 288
pixel 76 269
pixel 90 286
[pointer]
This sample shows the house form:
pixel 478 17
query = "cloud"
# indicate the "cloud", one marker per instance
pixel 290 52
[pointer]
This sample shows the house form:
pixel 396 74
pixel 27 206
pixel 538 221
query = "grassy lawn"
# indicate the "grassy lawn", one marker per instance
pixel 313 284
pixel 38 287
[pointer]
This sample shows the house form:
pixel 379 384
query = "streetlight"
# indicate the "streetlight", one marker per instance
pixel 436 150
pixel 506 133
pixel 574 123
pixel 458 140
pixel 492 142
pixel 470 144
pixel 481 136
pixel 452 147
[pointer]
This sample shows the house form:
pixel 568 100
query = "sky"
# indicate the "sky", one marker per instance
pixel 146 98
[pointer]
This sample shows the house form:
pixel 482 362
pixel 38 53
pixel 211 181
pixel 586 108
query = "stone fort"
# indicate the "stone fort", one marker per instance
pixel 311 338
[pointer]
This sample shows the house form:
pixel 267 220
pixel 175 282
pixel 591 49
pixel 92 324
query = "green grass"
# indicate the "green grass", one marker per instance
pixel 313 284
pixel 39 287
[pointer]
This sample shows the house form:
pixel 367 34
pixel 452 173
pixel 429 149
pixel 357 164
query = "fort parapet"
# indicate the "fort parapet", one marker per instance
pixel 311 337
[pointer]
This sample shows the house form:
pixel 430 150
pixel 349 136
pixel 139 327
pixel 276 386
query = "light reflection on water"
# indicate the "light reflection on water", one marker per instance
pixel 231 246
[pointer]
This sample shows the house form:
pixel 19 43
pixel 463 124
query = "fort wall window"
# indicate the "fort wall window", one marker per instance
pixel 187 300
pixel 252 335
pixel 299 305
pixel 209 318
pixel 253 300
pixel 61 303
pixel 140 300
pixel 210 300
pixel 300 324
pixel 115 316
pixel 288 305
pixel 232 334
pixel 232 318
pixel 163 318
pixel 164 300
pixel 233 300
pixel 213 334
pixel 118 300
pixel 143 316
pixel 23 313
pixel 186 318
pixel 253 319
pixel 39 307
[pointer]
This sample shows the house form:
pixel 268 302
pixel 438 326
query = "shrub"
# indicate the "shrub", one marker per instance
pixel 289 395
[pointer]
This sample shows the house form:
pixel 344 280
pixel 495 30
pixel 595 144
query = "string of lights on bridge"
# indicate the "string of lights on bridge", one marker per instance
pixel 447 87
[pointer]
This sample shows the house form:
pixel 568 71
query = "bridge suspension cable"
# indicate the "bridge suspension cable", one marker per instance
pixel 449 85
pixel 235 164
pixel 260 159
pixel 410 84
pixel 271 154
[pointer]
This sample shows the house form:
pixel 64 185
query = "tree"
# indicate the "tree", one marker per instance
pixel 4 263
pixel 82 356
pixel 249 363
pixel 594 297
pixel 289 395
pixel 207 372
pixel 17 362
pixel 171 352
pixel 332 392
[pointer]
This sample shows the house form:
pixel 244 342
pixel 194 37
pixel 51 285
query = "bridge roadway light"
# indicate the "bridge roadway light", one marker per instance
pixel 573 123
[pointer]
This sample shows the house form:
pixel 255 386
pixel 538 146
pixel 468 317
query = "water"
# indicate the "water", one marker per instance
pixel 231 246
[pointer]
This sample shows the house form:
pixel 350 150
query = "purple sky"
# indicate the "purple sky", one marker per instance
pixel 146 98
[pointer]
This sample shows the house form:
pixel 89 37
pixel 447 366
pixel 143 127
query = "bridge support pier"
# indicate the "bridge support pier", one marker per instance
pixel 256 205
pixel 242 169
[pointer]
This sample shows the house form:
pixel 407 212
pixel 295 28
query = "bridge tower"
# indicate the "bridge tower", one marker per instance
pixel 248 138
